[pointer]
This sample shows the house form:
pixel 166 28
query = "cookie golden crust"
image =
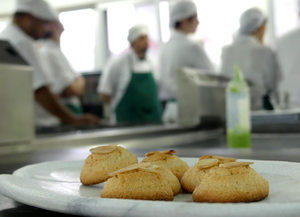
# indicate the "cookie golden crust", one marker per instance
pixel 104 160
pixel 192 178
pixel 231 185
pixel 162 170
pixel 166 158
pixel 171 179
pixel 194 175
pixel 138 185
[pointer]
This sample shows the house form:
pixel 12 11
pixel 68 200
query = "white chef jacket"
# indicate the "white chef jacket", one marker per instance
pixel 177 53
pixel 117 75
pixel 288 54
pixel 258 63
pixel 60 72
pixel 25 45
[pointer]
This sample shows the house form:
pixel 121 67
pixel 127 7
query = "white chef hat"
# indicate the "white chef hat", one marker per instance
pixel 182 10
pixel 37 8
pixel 251 20
pixel 137 31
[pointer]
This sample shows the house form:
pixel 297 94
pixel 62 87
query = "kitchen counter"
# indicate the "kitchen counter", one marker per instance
pixel 70 136
pixel 283 147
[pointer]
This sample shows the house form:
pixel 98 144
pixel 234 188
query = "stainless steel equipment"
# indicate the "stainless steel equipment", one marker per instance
pixel 16 105
pixel 200 95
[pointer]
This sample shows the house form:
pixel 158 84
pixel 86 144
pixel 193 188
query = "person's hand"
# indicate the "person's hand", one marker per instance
pixel 86 119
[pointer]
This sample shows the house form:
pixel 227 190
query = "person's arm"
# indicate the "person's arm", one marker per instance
pixel 107 82
pixel 51 103
pixel 75 89
pixel 105 98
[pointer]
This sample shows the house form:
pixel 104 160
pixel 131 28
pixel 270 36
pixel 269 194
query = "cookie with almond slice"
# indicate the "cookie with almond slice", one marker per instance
pixel 231 182
pixel 170 177
pixel 194 175
pixel 141 181
pixel 103 160
pixel 167 158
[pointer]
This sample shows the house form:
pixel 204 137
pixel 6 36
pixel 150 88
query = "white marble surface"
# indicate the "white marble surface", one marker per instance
pixel 55 186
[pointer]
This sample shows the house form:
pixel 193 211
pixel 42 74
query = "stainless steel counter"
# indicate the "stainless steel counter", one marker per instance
pixel 79 137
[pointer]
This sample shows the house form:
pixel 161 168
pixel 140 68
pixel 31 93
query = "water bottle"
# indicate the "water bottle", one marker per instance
pixel 238 112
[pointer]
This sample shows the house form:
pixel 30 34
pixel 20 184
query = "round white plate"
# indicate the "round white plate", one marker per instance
pixel 55 186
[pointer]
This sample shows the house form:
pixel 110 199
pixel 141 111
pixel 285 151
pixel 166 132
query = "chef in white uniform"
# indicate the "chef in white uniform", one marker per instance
pixel 65 82
pixel 30 22
pixel 180 52
pixel 257 61
pixel 288 54
pixel 127 83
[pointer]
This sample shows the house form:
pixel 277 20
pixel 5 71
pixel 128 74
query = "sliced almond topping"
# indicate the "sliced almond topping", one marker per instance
pixel 217 157
pixel 205 157
pixel 148 167
pixel 129 168
pixel 145 165
pixel 125 169
pixel 235 164
pixel 153 166
pixel 150 153
pixel 224 158
pixel 206 163
pixel 104 149
pixel 149 170
pixel 169 152
pixel 162 152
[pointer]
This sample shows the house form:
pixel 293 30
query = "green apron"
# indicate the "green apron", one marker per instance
pixel 75 109
pixel 140 103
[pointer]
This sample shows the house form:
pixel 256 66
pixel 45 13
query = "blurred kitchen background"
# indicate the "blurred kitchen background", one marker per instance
pixel 92 35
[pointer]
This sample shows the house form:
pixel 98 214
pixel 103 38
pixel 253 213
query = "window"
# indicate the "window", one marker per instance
pixel 78 39
pixel 3 24
pixel 164 20
pixel 121 17
pixel 286 16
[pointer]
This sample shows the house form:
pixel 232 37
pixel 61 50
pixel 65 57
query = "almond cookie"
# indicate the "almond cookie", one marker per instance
pixel 140 182
pixel 103 160
pixel 194 175
pixel 170 177
pixel 231 183
pixel 177 166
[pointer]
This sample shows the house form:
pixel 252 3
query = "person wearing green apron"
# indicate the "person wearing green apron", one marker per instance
pixel 128 85
pixel 140 103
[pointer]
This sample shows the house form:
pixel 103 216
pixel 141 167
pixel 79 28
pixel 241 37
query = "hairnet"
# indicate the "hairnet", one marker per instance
pixel 251 20
pixel 182 10
pixel 136 31
pixel 37 8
